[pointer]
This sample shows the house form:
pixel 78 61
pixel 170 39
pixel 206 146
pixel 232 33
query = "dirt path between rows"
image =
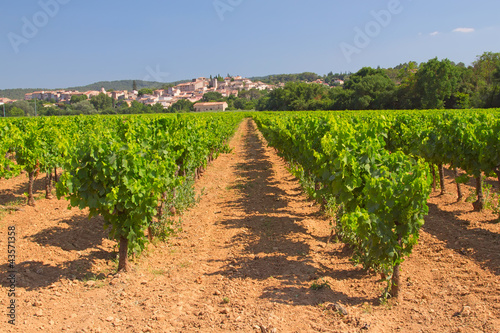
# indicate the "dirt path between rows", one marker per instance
pixel 245 261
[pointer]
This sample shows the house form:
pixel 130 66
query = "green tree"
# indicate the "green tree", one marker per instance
pixel 485 66
pixel 406 96
pixel 28 108
pixel 212 96
pixel 180 106
pixel 436 82
pixel 297 96
pixel 101 101
pixel 75 99
pixel 137 108
pixel 341 99
pixel 484 81
pixel 372 89
pixel 84 107
pixel 122 106
pixel 157 108
pixel 145 91
pixel 496 75
pixel 252 94
pixel 462 97
pixel 244 104
pixel 496 87
pixel 53 111
pixel 15 112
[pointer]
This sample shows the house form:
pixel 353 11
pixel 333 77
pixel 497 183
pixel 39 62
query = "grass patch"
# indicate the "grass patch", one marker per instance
pixel 93 277
pixel 158 272
pixel 173 250
pixel 317 285
pixel 367 308
pixel 11 204
pixel 185 264
pixel 238 186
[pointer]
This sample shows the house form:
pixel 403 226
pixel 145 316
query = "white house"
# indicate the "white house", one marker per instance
pixel 210 106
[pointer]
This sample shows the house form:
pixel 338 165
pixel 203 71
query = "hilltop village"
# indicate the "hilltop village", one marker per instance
pixel 192 91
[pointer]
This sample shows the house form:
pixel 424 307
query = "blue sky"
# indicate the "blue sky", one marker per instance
pixel 61 43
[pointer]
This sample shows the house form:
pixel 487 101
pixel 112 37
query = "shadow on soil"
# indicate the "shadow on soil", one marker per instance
pixel 81 235
pixel 480 244
pixel 277 245
pixel 16 195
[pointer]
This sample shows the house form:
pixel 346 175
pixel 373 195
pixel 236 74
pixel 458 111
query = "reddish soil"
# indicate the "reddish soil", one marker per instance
pixel 245 261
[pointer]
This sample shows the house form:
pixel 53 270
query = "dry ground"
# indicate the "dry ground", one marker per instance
pixel 245 262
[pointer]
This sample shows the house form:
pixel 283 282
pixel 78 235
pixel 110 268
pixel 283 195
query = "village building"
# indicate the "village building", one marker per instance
pixel 194 85
pixel 210 106
pixel 119 95
pixel 4 100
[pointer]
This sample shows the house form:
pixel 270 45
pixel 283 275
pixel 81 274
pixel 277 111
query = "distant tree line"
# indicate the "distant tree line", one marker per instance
pixel 100 104
pixel 17 93
pixel 285 78
pixel 435 84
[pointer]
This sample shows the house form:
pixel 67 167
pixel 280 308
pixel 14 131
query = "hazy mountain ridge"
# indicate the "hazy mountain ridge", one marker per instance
pixel 19 93
pixel 117 85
